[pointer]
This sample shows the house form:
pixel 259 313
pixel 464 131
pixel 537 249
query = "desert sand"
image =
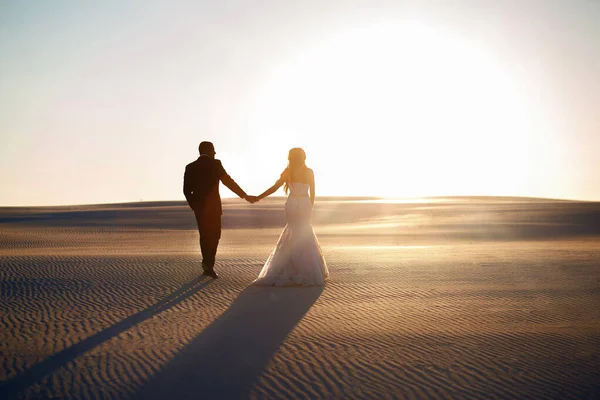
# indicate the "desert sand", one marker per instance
pixel 472 298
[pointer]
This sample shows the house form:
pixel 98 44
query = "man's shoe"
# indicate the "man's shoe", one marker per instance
pixel 212 274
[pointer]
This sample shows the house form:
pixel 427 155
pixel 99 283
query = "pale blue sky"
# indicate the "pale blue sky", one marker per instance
pixel 107 101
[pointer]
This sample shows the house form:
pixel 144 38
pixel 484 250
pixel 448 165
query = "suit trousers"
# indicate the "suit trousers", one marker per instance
pixel 209 228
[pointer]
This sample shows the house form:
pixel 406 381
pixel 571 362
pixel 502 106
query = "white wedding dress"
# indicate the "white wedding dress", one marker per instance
pixel 296 260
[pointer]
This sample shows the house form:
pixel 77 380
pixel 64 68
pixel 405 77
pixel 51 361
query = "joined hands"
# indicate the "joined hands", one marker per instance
pixel 252 199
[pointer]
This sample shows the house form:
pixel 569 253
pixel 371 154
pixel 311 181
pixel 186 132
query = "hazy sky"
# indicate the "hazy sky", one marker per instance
pixel 107 101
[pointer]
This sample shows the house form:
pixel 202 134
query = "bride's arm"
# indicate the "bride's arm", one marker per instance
pixel 270 190
pixel 311 178
pixel 273 188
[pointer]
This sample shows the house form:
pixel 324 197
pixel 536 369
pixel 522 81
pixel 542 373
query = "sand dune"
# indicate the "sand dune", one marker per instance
pixel 446 298
pixel 453 218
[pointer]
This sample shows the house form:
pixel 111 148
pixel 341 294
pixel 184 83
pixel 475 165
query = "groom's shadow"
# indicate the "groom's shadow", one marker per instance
pixel 228 357
pixel 36 373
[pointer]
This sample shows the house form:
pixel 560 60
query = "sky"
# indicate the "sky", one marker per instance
pixel 104 102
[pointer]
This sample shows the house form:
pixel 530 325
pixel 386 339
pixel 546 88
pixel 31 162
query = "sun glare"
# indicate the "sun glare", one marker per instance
pixel 399 109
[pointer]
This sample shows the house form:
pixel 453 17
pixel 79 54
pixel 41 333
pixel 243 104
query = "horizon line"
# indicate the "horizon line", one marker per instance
pixel 381 199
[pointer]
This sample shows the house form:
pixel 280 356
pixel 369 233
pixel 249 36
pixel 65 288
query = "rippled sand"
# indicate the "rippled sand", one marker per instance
pixel 446 298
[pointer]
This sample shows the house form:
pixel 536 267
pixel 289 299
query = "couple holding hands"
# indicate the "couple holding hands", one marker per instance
pixel 297 259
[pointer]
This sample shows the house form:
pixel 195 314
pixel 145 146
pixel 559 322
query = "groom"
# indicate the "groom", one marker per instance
pixel 201 190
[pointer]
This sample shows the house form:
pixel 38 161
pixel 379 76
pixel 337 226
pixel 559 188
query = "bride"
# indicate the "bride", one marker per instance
pixel 296 260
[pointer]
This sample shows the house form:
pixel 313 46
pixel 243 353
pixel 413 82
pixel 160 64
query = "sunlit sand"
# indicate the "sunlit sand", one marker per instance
pixel 462 298
pixel 388 247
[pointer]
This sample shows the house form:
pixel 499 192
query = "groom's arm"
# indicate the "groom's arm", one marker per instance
pixel 229 182
pixel 187 189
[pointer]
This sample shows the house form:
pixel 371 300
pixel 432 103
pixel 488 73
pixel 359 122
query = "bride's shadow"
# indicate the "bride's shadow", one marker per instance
pixel 228 357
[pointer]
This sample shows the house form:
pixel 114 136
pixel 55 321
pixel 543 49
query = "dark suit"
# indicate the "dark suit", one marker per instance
pixel 201 190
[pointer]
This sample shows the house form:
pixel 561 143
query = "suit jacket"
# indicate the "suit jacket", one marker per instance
pixel 201 185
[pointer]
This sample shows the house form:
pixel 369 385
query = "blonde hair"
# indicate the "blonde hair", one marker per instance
pixel 296 162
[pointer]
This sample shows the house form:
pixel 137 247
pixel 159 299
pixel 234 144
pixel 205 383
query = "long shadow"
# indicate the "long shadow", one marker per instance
pixel 228 357
pixel 34 374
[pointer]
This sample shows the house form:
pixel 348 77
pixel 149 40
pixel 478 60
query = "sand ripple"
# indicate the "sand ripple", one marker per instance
pixel 109 312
